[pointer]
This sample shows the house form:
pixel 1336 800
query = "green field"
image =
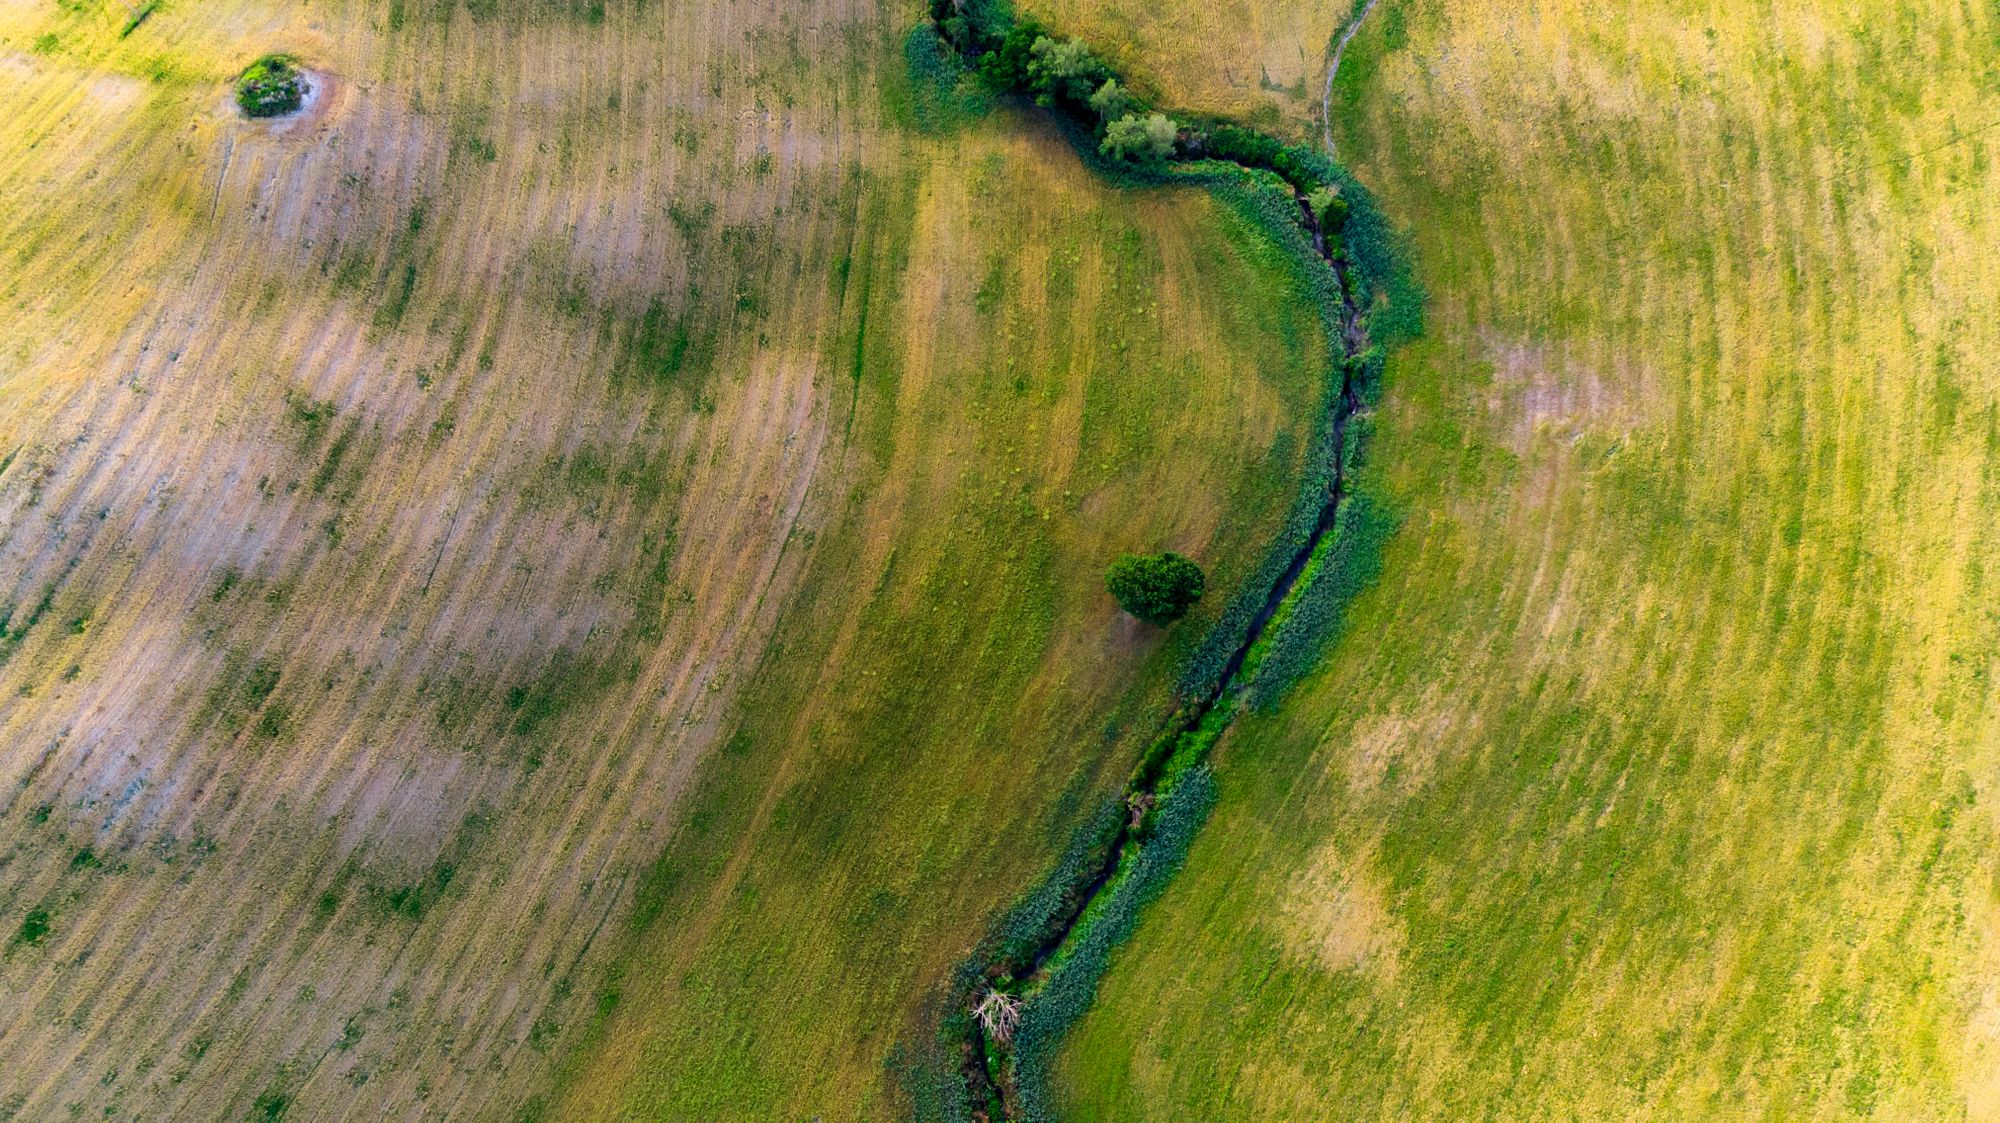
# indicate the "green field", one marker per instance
pixel 570 574
pixel 1653 779
pixel 566 581
pixel 953 690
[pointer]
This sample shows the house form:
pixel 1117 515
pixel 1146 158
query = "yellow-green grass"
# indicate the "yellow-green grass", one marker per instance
pixel 397 504
pixel 1655 778
pixel 1074 371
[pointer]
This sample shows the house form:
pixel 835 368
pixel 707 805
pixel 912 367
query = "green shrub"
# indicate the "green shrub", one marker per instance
pixel 1111 101
pixel 1141 140
pixel 1329 209
pixel 934 96
pixel 34 929
pixel 272 86
pixel 927 1067
pixel 973 26
pixel 1005 67
pixel 1064 73
pixel 1157 588
pixel 138 17
pixel 1354 560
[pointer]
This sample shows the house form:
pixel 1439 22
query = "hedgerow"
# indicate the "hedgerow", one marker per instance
pixel 1360 529
pixel 1263 181
pixel 929 1068
pixel 1069 992
pixel 1275 215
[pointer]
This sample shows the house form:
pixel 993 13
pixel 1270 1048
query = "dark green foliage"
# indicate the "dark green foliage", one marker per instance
pixel 1157 588
pixel 1005 67
pixel 1243 146
pixel 1268 205
pixel 1112 101
pixel 667 344
pixel 329 468
pixel 1379 262
pixel 1069 993
pixel 242 689
pixel 1023 932
pixel 270 1105
pixel 936 96
pixel 272 86
pixel 1354 560
pixel 1064 73
pixel 568 679
pixel 976 26
pixel 1139 139
pixel 1263 180
pixel 311 419
pixel 34 928
pixel 412 901
pixel 928 1069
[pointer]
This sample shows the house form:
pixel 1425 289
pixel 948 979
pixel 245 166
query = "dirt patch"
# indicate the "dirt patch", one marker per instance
pixel 1337 914
pixel 1537 390
pixel 1393 752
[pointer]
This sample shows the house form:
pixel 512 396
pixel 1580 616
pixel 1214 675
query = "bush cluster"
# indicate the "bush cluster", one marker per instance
pixel 928 1069
pixel 1065 75
pixel 271 87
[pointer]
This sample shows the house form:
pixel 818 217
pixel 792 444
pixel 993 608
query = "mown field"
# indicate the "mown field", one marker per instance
pixel 954 691
pixel 1655 777
pixel 568 579
pixel 1259 62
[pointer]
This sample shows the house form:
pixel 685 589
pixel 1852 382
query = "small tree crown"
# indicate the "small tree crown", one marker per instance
pixel 1157 588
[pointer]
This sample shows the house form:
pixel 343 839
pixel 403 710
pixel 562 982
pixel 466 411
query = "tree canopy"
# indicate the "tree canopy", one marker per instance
pixel 1157 588
pixel 1142 140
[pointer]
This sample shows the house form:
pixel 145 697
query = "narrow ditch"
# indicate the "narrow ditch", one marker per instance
pixel 1009 981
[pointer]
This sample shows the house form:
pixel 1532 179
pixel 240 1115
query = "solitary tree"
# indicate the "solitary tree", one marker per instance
pixel 1142 140
pixel 1157 588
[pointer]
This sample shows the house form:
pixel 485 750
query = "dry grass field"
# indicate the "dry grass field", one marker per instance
pixel 398 504
pixel 1656 777
pixel 395 501
pixel 1256 61
pixel 565 582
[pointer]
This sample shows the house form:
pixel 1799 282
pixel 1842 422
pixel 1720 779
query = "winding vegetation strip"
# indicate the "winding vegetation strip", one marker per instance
pixel 1333 70
pixel 1005 1013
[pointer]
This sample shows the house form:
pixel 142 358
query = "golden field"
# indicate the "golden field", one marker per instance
pixel 1655 778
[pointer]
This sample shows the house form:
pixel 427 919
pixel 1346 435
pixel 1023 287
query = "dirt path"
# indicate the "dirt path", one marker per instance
pixel 1333 68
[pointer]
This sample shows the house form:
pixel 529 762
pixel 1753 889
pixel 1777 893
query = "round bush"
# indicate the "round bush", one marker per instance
pixel 271 87
pixel 1157 588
